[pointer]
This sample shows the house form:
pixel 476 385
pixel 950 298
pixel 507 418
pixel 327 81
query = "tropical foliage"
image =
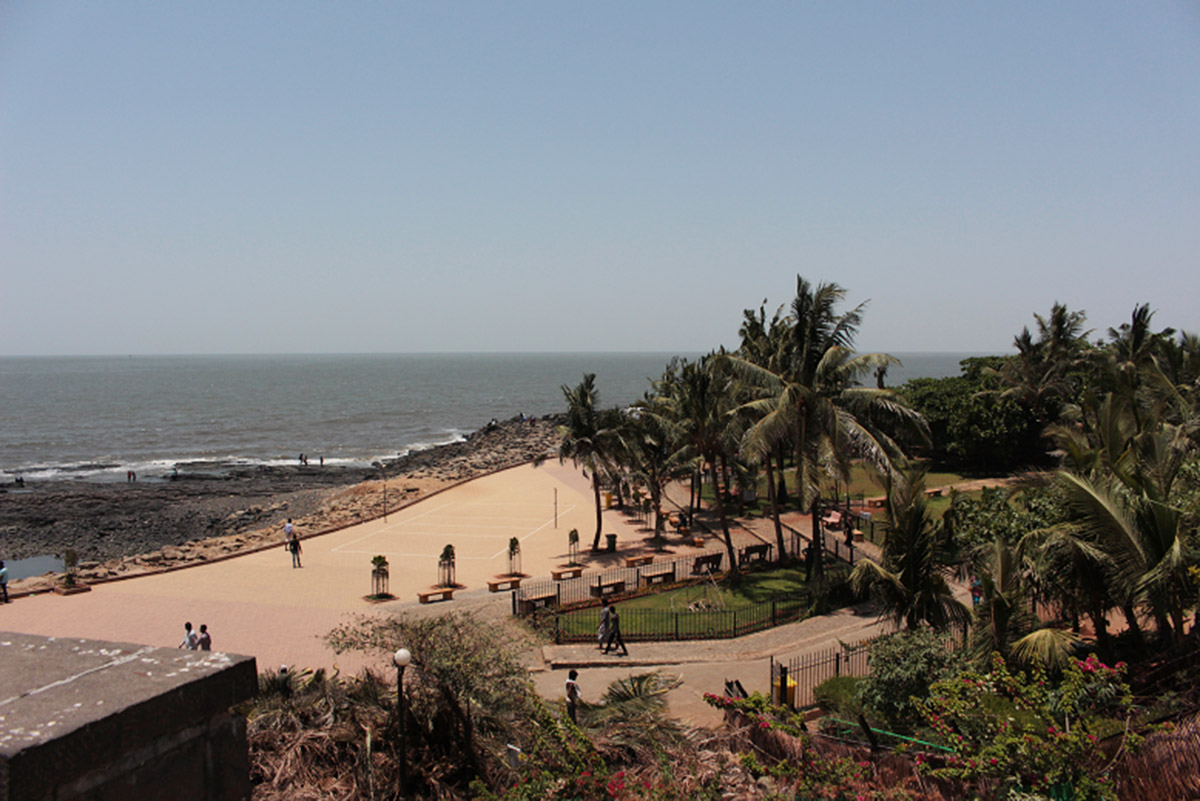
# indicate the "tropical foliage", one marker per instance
pixel 1031 736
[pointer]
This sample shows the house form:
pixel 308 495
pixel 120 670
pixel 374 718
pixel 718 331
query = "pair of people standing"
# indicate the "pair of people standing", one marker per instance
pixel 193 641
pixel 609 633
pixel 292 542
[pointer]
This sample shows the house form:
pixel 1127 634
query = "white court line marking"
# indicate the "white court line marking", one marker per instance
pixel 504 550
pixel 501 552
pixel 385 528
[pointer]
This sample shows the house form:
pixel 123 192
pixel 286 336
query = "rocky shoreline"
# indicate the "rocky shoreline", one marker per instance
pixel 118 529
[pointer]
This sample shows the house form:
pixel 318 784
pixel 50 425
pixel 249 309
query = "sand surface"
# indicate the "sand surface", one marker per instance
pixel 122 529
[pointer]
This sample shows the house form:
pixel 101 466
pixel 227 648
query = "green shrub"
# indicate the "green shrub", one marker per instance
pixel 903 665
pixel 840 696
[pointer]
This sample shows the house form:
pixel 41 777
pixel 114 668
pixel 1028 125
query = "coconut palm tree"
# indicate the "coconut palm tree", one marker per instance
pixel 588 437
pixel 766 346
pixel 912 580
pixel 1003 614
pixel 1039 376
pixel 813 399
pixel 652 453
pixel 698 402
pixel 1120 483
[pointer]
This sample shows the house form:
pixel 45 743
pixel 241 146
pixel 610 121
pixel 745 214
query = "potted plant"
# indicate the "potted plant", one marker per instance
pixel 70 583
pixel 379 579
pixel 446 567
pixel 573 548
pixel 514 557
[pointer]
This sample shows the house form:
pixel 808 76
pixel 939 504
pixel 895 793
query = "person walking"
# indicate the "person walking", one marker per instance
pixel 205 639
pixel 614 632
pixel 190 641
pixel 4 581
pixel 573 694
pixel 295 549
pixel 292 544
pixel 602 630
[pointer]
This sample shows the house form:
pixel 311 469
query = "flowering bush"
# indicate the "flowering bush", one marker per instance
pixel 816 775
pixel 1015 728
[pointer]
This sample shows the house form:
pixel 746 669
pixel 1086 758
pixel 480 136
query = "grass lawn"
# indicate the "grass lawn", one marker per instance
pixel 863 484
pixel 717 609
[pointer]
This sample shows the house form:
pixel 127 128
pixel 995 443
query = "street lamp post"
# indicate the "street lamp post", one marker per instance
pixel 401 659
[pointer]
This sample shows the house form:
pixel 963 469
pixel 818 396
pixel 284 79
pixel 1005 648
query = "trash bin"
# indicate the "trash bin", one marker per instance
pixel 786 693
pixel 611 540
pixel 608 500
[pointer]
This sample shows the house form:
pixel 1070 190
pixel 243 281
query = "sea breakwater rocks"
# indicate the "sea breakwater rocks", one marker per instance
pixel 119 529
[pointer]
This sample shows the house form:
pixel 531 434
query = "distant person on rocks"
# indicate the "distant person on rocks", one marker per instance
pixel 205 639
pixel 573 694
pixel 4 581
pixel 287 528
pixel 614 633
pixel 190 641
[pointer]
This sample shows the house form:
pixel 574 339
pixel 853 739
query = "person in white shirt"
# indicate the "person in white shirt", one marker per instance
pixel 573 693
pixel 189 641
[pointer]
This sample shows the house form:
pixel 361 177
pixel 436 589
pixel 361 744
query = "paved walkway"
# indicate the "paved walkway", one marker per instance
pixel 258 604
pixel 704 665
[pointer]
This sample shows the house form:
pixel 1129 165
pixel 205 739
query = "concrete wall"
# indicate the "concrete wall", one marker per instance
pixel 101 721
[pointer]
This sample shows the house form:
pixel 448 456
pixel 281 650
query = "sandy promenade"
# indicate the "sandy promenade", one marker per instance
pixel 257 604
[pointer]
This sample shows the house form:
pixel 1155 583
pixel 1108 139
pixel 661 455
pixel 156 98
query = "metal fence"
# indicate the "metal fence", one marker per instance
pixel 588 589
pixel 620 582
pixel 793 681
pixel 682 624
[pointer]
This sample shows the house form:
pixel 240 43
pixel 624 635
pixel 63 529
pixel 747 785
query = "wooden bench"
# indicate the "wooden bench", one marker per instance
pixel 440 594
pixel 934 493
pixel 504 583
pixel 755 553
pixel 832 519
pixel 567 572
pixel 602 587
pixel 532 602
pixel 634 561
pixel 858 535
pixel 710 563
pixel 876 503
pixel 665 574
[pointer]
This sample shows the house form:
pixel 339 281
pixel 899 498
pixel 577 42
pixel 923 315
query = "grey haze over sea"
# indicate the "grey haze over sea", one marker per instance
pixel 94 418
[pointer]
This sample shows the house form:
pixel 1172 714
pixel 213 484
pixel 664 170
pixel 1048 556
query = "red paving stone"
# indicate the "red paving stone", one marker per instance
pixel 260 606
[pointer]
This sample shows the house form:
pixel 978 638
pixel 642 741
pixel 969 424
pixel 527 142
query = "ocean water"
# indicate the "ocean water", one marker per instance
pixel 94 418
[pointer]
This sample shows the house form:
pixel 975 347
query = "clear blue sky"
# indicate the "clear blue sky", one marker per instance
pixel 215 177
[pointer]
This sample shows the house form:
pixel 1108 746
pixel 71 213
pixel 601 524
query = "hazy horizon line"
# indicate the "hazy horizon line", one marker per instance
pixel 198 354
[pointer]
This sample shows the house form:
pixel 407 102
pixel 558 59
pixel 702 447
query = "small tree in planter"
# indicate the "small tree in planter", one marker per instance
pixel 70 583
pixel 514 557
pixel 446 567
pixel 379 577
pixel 573 548
pixel 70 560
